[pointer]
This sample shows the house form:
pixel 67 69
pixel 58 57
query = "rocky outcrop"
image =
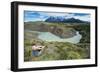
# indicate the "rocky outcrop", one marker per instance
pixel 63 32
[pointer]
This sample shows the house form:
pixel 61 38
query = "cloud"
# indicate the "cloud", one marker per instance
pixel 84 18
pixel 41 16
pixel 55 14
pixel 34 16
pixel 81 16
pixel 69 16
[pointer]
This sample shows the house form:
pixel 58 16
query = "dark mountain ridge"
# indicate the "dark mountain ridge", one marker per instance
pixel 62 19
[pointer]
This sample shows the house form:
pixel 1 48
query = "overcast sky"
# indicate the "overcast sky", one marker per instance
pixel 41 16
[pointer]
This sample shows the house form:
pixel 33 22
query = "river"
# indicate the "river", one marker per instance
pixel 48 36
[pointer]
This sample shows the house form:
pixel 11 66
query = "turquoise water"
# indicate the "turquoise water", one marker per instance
pixel 47 36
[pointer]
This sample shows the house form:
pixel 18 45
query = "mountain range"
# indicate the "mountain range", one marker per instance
pixel 62 19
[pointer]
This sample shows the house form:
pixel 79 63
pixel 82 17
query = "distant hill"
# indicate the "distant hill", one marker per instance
pixel 62 19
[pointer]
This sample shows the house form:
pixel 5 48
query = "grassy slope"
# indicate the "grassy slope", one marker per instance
pixel 58 50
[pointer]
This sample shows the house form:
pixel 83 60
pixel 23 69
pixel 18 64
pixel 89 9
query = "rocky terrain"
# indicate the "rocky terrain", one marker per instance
pixel 60 31
pixel 53 51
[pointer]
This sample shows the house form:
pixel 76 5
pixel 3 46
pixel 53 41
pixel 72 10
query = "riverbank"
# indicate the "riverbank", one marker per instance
pixel 49 37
